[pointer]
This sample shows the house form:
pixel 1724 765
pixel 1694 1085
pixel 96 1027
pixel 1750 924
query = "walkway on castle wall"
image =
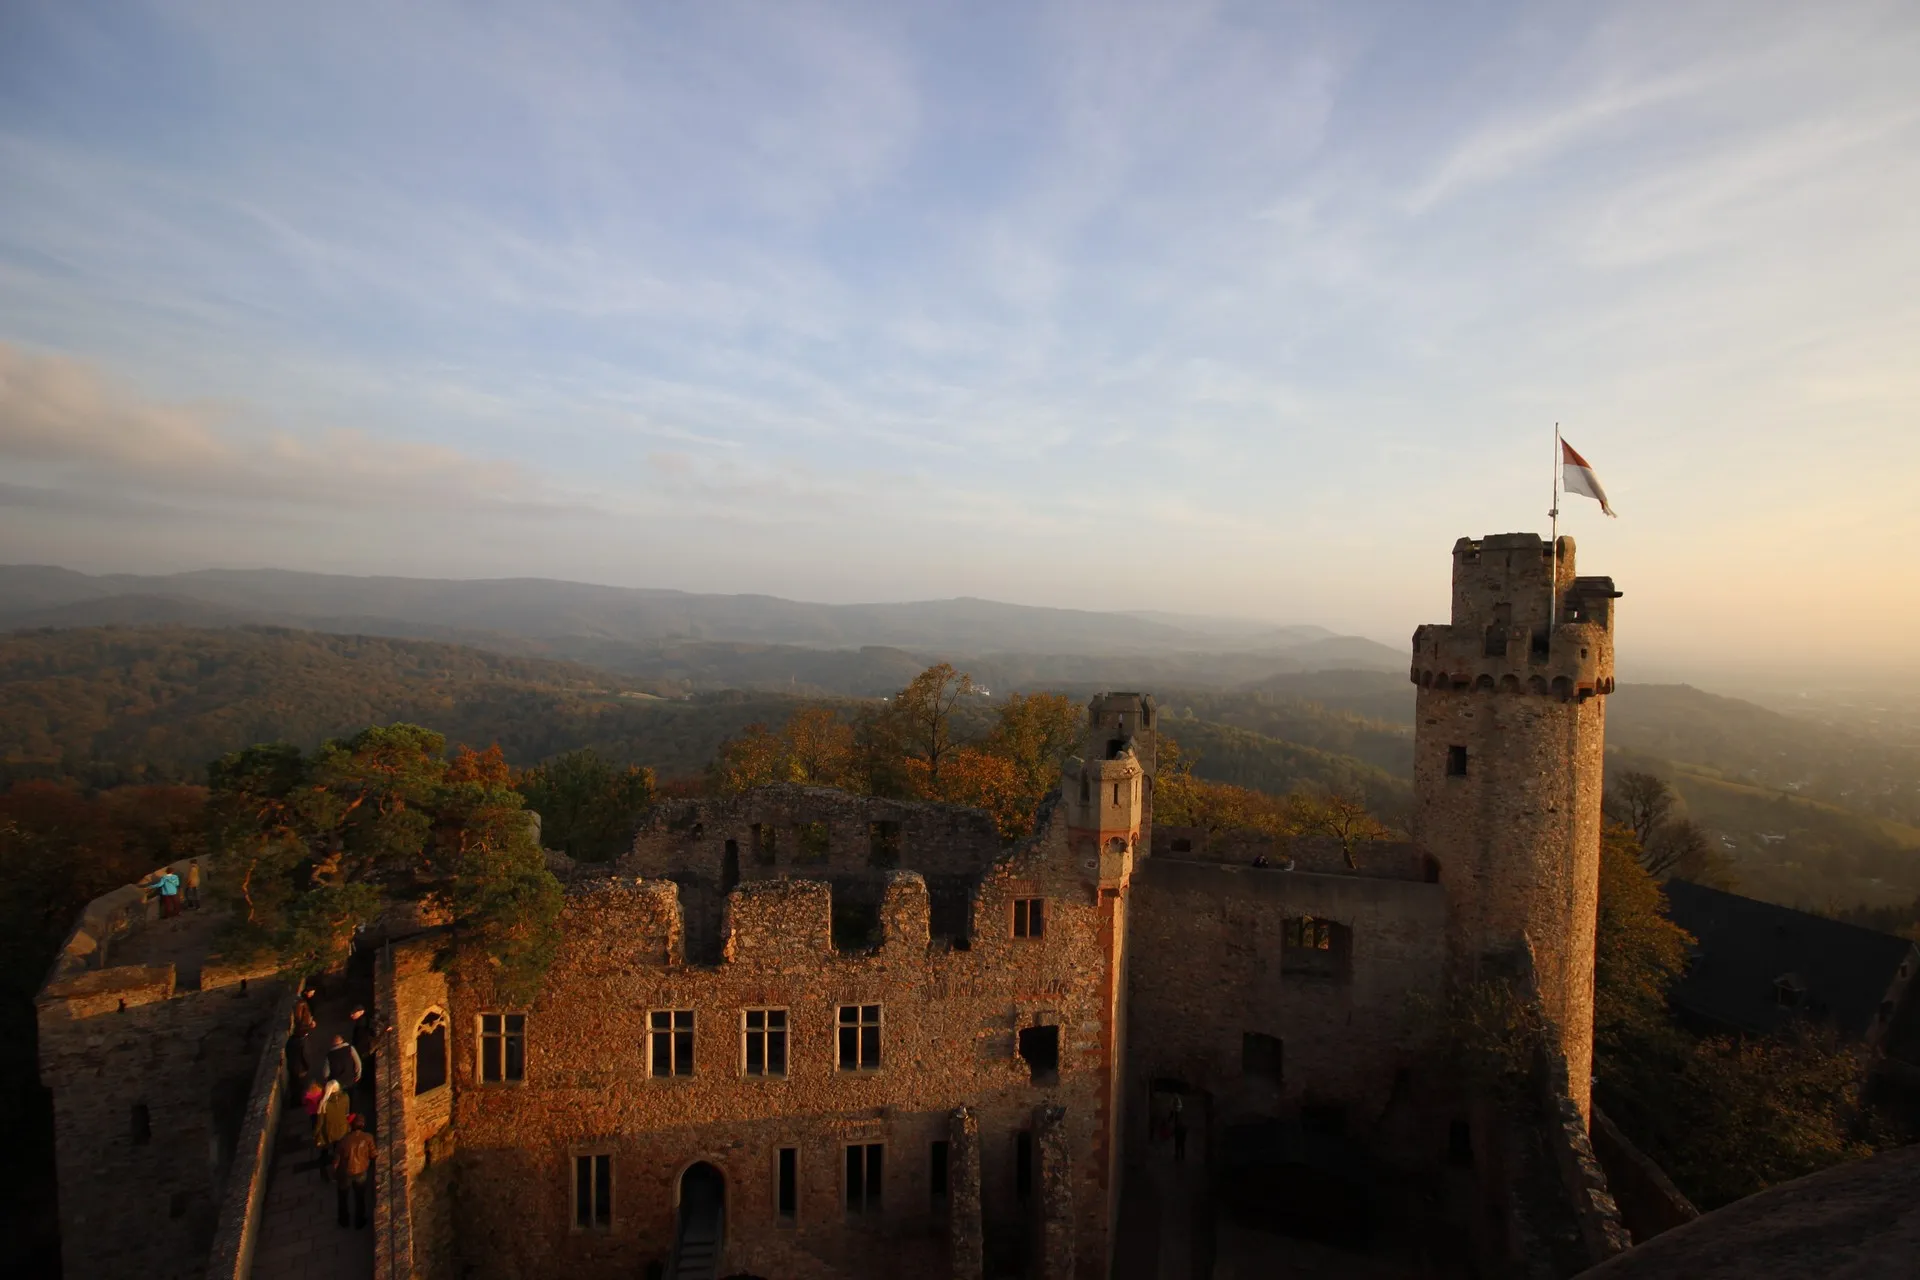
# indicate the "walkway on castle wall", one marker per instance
pixel 299 1237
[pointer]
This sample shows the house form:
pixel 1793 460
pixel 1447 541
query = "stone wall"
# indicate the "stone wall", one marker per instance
pixel 150 1088
pixel 245 1201
pixel 951 1019
pixel 1207 965
pixel 151 1050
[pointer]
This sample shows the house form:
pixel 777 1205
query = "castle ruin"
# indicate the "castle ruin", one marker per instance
pixel 802 1033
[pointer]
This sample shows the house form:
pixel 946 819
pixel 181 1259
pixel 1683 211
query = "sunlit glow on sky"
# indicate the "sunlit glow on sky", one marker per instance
pixel 1234 309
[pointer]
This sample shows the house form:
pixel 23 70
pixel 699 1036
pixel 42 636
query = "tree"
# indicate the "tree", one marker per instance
pixel 588 807
pixel 1642 802
pixel 1035 733
pixel 319 845
pixel 815 748
pixel 1638 951
pixel 1337 814
pixel 1725 1116
pixel 1682 848
pixel 920 718
pixel 1182 800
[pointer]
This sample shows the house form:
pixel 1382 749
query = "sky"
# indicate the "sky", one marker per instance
pixel 1244 310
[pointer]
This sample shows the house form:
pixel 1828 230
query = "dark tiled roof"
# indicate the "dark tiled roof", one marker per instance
pixel 1746 946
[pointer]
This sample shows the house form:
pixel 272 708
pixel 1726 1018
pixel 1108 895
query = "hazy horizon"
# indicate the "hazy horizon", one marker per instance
pixel 1244 311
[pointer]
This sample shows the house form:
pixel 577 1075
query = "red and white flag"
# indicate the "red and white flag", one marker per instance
pixel 1578 477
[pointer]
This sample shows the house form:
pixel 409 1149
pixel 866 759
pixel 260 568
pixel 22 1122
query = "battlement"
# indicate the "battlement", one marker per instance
pixel 1501 636
pixel 762 922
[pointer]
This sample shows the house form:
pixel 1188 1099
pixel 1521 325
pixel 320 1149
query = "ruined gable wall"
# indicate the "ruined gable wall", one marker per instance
pixel 1206 967
pixel 951 1023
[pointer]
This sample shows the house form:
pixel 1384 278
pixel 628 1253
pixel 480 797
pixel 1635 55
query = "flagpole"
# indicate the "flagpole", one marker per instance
pixel 1553 514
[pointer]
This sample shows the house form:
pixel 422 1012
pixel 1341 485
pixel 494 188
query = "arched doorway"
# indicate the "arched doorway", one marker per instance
pixel 703 1209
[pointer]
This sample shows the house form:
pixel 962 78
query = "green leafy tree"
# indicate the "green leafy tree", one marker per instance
pixel 319 845
pixel 589 808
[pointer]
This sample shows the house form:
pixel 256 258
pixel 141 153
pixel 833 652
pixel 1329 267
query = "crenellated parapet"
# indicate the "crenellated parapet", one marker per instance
pixel 1523 622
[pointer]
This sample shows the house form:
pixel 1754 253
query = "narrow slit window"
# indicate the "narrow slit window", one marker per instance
pixel 1029 917
pixel 787 1183
pixel 937 1172
pixel 670 1042
pixel 593 1192
pixel 865 1174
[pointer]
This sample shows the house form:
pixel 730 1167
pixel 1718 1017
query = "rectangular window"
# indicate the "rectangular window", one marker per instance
pixel 1456 762
pixel 766 1044
pixel 864 1176
pixel 1319 948
pixel 593 1192
pixel 766 844
pixel 1260 1055
pixel 1040 1046
pixel 859 1037
pixel 810 843
pixel 1023 1164
pixel 883 844
pixel 1029 917
pixel 670 1047
pixel 787 1182
pixel 503 1047
pixel 937 1173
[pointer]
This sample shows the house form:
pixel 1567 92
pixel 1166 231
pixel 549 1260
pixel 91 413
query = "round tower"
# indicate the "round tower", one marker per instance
pixel 1508 739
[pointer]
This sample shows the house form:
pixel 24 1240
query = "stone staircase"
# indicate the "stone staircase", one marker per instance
pixel 696 1254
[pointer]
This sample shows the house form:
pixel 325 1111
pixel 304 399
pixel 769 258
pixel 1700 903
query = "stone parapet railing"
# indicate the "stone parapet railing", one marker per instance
pixel 245 1200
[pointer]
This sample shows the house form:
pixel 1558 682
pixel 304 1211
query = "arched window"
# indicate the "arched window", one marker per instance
pixel 430 1053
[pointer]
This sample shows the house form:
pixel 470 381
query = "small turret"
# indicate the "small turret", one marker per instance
pixel 1106 792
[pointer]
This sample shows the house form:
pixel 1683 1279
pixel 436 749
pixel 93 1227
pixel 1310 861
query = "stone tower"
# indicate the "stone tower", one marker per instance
pixel 1508 741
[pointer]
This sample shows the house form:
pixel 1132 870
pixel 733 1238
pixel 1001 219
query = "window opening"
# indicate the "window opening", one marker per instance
pixel 1116 794
pixel 1456 762
pixel 1262 1055
pixel 593 1192
pixel 787 1178
pixel 1460 1143
pixel 865 1170
pixel 141 1124
pixel 1309 946
pixel 766 1047
pixel 766 844
pixel 937 1172
pixel 883 843
pixel 430 1054
pixel 503 1047
pixel 1029 917
pixel 670 1033
pixel 859 1037
pixel 1023 1164
pixel 810 842
pixel 1183 845
pixel 730 866
pixel 1040 1046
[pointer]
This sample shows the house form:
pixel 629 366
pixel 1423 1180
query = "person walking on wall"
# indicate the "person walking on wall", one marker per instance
pixel 303 1020
pixel 169 886
pixel 352 1169
pixel 332 1123
pixel 363 1040
pixel 343 1063
pixel 296 1065
pixel 193 884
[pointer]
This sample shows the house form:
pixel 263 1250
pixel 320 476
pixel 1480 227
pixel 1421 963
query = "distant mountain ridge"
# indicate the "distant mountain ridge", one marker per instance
pixel 543 609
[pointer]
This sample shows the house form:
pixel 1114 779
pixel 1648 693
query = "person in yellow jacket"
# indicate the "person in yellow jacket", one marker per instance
pixel 331 1123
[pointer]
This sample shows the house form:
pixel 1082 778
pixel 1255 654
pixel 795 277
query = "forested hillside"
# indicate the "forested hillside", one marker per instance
pixel 114 704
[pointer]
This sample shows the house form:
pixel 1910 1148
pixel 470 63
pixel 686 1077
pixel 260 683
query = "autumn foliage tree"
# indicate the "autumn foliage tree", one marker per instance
pixel 314 846
pixel 589 807
pixel 1724 1115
